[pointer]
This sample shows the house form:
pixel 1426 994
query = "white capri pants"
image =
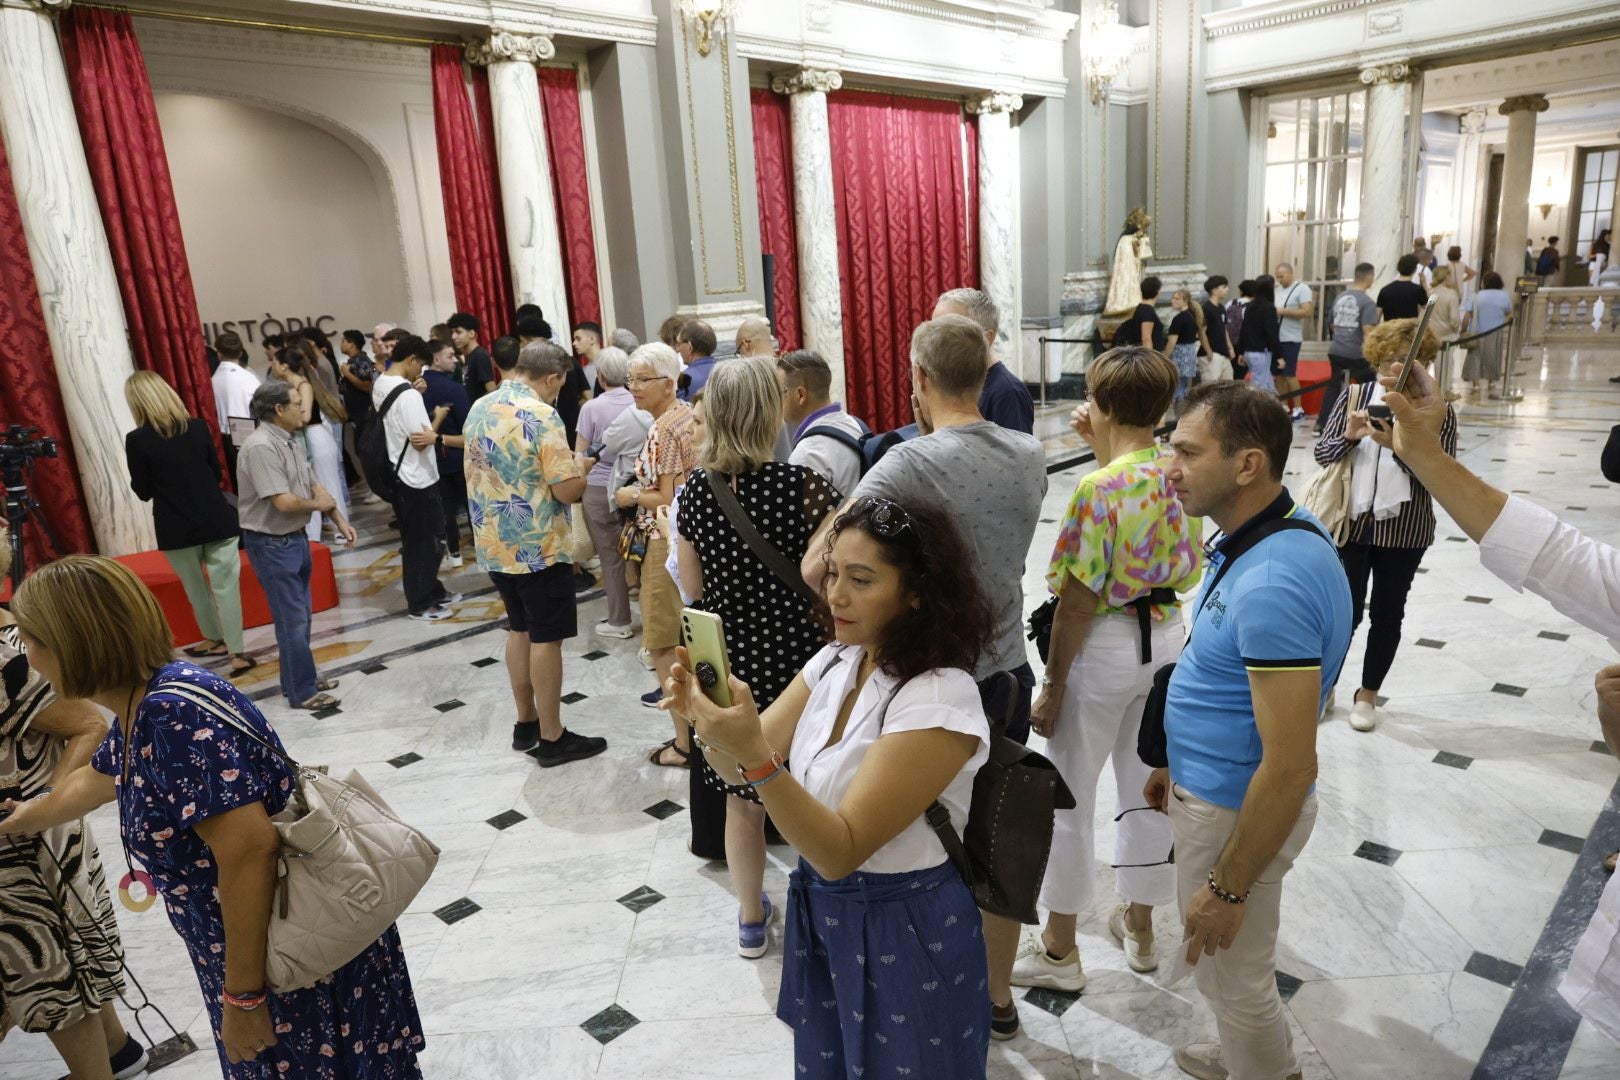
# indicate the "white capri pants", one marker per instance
pixel 326 458
pixel 1100 717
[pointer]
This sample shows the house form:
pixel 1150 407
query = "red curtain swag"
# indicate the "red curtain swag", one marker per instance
pixel 903 201
pixel 570 186
pixel 124 146
pixel 30 394
pixel 472 205
pixel 773 175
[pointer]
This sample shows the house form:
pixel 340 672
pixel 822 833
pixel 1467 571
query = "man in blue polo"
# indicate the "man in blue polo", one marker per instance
pixel 1269 636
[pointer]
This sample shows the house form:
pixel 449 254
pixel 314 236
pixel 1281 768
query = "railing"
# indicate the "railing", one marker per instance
pixel 1577 316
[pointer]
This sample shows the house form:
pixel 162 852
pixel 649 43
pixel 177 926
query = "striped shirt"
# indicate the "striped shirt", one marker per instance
pixel 1413 527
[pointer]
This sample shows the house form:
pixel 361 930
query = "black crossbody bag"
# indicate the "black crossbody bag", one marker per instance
pixel 1150 739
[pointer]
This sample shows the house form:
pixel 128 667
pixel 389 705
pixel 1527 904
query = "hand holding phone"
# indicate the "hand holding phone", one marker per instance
pixel 706 647
pixel 1381 415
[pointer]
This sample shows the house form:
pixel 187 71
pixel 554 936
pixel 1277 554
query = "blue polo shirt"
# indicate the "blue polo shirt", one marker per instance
pixel 698 372
pixel 1283 606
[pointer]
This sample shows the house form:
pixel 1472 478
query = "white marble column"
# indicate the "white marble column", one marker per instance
pixel 1469 190
pixel 73 266
pixel 821 299
pixel 1384 230
pixel 998 215
pixel 1517 165
pixel 533 239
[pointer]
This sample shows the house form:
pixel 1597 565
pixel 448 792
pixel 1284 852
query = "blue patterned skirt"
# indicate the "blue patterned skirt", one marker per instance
pixel 885 975
pixel 1260 373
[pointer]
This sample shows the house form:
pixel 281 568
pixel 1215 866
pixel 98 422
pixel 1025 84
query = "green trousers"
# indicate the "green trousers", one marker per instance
pixel 217 599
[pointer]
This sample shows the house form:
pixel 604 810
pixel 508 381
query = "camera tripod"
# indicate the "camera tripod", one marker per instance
pixel 21 508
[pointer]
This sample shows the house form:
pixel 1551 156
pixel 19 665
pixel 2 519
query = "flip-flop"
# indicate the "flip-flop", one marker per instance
pixel 326 684
pixel 316 703
pixel 1608 863
pixel 655 756
pixel 248 665
pixel 199 652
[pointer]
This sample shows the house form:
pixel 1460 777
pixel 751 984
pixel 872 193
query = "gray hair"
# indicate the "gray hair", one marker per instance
pixel 624 339
pixel 541 358
pixel 612 366
pixel 664 361
pixel 951 350
pixel 270 394
pixel 976 305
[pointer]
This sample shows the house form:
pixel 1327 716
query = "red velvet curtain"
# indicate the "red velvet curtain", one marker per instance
pixel 29 392
pixel 970 139
pixel 571 190
pixel 901 193
pixel 773 175
pixel 472 208
pixel 124 145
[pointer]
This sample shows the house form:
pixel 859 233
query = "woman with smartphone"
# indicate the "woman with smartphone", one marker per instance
pixel 1391 512
pixel 884 970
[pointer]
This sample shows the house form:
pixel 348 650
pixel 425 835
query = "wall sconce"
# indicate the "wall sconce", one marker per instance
pixel 1107 44
pixel 708 13
pixel 1549 192
pixel 1546 209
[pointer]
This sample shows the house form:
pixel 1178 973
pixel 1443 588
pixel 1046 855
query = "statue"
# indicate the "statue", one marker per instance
pixel 1132 251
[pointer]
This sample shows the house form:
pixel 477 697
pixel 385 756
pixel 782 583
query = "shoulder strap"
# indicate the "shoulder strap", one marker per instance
pixel 1250 542
pixel 388 402
pixel 762 549
pixel 838 436
pixel 225 712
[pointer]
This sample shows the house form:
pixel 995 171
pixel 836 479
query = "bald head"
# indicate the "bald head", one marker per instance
pixel 754 338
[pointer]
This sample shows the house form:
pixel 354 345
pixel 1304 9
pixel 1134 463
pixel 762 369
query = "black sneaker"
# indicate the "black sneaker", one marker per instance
pixel 129 1061
pixel 525 736
pixel 571 746
pixel 1004 1021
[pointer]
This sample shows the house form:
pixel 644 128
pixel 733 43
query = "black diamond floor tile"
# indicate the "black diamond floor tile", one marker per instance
pixel 609 1024
pixel 485 661
pixel 1477 599
pixel 595 654
pixel 642 899
pixel 447 706
pixel 1458 539
pixel 1574 508
pixel 1431 643
pixel 457 910
pixel 1423 569
pixel 1508 689
pixel 1553 635
pixel 1380 700
pixel 405 759
pixel 373 669
pixel 322 714
pixel 1516 491
pixel 1497 970
pixel 1456 761
pixel 573 699
pixel 1056 1002
pixel 1562 841
pixel 1377 853
pixel 507 819
pixel 1288 985
pixel 1600 747
pixel 664 809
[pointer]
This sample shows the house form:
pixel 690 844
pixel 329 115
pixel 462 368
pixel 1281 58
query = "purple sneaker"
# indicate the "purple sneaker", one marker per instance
pixel 752 940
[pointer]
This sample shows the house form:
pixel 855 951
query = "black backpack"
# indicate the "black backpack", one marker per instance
pixel 381 473
pixel 864 446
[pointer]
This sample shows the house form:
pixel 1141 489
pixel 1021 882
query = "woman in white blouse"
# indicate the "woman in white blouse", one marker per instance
pixel 884 964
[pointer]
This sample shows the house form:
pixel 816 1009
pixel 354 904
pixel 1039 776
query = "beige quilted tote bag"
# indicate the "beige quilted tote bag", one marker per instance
pixel 348 867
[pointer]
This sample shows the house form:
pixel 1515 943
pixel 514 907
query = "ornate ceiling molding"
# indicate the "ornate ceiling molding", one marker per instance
pixel 1219 24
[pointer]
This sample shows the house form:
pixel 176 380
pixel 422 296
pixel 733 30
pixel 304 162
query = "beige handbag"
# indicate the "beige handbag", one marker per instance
pixel 1328 494
pixel 347 870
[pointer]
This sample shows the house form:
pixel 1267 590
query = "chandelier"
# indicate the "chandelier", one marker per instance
pixel 711 17
pixel 1107 46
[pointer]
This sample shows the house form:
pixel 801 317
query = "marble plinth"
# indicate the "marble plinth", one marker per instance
pixel 1085 293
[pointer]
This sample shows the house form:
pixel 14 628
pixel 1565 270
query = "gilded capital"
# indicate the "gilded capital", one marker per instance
pixel 504 45
pixel 1396 71
pixel 996 102
pixel 807 81
pixel 1524 103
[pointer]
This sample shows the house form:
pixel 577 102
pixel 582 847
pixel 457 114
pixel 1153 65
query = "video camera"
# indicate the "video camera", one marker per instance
pixel 21 446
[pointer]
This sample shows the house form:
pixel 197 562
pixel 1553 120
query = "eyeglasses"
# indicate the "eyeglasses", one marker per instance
pixel 889 519
pixel 1168 861
pixel 637 380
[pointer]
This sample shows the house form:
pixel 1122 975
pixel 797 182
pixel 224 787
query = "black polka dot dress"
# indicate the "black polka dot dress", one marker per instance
pixel 770 633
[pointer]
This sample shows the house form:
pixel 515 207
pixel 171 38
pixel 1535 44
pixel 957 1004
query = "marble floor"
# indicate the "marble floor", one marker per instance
pixel 568 934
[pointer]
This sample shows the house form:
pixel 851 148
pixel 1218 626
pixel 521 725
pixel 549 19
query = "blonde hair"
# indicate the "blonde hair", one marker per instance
pixel 103 624
pixel 1389 341
pixel 1196 309
pixel 742 412
pixel 154 404
pixel 1441 276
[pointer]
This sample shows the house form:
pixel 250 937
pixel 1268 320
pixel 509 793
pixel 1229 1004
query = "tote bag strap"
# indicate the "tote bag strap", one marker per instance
pixel 223 711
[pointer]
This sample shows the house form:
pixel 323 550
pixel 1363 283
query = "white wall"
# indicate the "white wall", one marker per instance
pixel 280 218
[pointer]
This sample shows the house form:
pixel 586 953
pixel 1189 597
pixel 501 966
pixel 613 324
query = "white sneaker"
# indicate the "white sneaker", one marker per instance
pixel 607 629
pixel 1138 944
pixel 1035 967
pixel 451 598
pixel 434 614
pixel 1299 414
pixel 1202 1060
pixel 646 659
pixel 1363 716
pixel 1327 705
pixel 453 562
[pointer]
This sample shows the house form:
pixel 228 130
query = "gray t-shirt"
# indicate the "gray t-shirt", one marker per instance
pixel 991 481
pixel 1353 312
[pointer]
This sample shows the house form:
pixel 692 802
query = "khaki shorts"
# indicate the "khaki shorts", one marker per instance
pixel 660 601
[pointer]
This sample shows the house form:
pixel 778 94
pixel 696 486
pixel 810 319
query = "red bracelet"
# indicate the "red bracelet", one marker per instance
pixel 766 772
pixel 246 1003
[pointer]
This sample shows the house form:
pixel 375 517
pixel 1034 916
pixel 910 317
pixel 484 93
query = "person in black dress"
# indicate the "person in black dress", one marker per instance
pixel 173 466
pixel 770 634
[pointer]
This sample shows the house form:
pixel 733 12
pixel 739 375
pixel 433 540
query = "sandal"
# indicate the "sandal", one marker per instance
pixel 241 664
pixel 206 649
pixel 1608 863
pixel 316 703
pixel 656 756
pixel 326 684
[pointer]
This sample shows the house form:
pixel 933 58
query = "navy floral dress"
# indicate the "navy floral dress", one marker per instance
pixel 185 767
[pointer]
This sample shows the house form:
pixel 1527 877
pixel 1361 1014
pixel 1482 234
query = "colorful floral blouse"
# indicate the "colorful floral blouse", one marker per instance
pixel 669 449
pixel 1125 533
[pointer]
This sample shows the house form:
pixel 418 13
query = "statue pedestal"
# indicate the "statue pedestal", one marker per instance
pixel 1085 293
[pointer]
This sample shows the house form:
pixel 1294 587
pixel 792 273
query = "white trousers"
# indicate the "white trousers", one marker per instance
pixel 1214 368
pixel 1098 720
pixel 326 457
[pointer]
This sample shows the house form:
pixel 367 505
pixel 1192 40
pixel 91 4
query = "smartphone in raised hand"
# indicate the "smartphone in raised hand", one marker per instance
pixel 1382 415
pixel 706 647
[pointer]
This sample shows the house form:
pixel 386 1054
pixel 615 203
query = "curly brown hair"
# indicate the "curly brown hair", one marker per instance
pixel 1389 341
pixel 954 623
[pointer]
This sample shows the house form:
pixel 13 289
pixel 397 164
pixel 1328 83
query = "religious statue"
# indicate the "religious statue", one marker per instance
pixel 1132 251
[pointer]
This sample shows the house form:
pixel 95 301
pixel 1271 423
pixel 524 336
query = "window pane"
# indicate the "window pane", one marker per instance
pixel 1611 159
pixel 1282 119
pixel 1594 163
pixel 1358 120
pixel 1279 193
pixel 1311 118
